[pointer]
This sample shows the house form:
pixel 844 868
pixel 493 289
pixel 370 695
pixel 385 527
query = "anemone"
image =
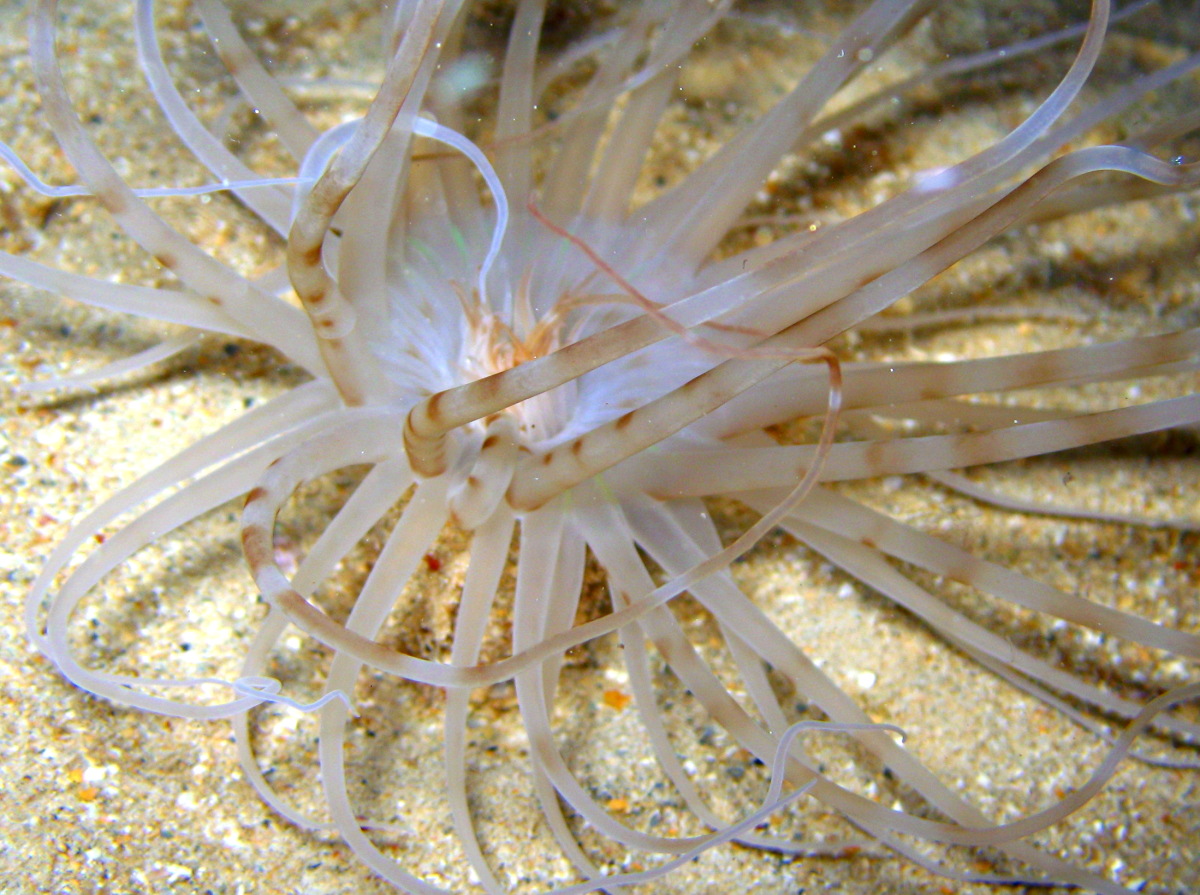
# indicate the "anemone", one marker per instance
pixel 536 363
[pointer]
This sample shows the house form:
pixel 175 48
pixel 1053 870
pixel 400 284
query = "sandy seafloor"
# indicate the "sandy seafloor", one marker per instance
pixel 97 798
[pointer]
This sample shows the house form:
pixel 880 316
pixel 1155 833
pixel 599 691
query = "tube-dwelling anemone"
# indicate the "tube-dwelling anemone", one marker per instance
pixel 546 363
